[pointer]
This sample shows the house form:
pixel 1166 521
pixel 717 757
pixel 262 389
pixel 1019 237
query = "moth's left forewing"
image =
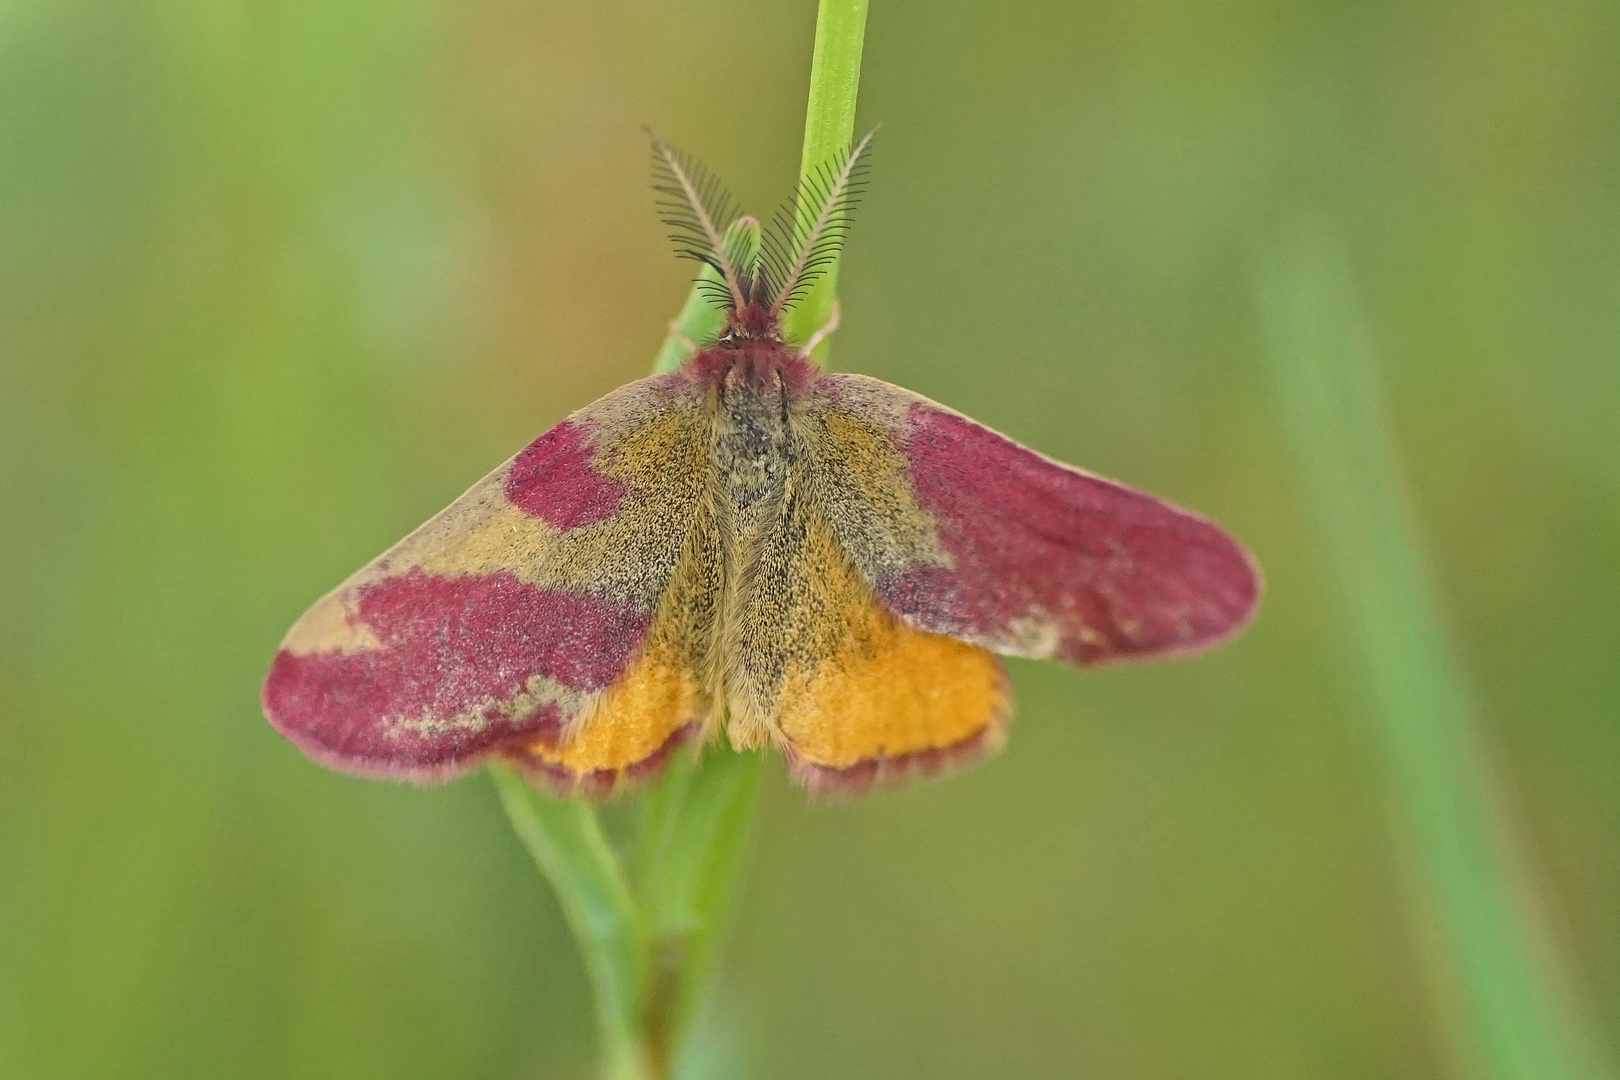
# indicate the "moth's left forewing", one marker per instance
pixel 962 531
pixel 503 622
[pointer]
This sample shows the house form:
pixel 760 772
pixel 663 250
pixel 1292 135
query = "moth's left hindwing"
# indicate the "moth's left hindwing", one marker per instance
pixel 520 620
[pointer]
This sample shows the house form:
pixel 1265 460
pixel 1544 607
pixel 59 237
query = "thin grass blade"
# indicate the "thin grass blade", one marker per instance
pixel 1496 980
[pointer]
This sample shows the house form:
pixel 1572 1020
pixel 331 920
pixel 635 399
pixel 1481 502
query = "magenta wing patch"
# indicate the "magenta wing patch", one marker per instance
pixel 1030 557
pixel 495 623
pixel 554 478
pixel 448 678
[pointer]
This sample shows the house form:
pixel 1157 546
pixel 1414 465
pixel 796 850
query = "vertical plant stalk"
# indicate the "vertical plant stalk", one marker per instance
pixel 649 945
pixel 693 827
pixel 566 841
pixel 1498 983
pixel 829 129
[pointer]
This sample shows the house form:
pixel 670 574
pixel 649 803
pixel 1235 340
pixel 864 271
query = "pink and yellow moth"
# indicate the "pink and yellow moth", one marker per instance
pixel 819 562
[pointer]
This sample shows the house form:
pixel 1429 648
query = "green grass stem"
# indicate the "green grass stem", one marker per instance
pixel 566 841
pixel 829 128
pixel 1499 992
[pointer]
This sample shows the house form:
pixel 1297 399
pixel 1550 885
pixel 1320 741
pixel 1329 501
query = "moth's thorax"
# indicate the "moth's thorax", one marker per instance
pixel 751 363
pixel 752 387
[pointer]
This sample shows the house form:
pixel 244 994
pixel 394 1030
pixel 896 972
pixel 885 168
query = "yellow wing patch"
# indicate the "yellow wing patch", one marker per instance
pixel 898 701
pixel 853 695
pixel 623 732
pixel 628 730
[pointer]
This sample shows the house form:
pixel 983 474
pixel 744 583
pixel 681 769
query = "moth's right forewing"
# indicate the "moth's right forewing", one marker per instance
pixel 962 531
pixel 503 618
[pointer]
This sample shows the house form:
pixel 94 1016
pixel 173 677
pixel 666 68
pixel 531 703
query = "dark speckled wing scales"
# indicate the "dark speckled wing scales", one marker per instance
pixel 962 531
pixel 502 623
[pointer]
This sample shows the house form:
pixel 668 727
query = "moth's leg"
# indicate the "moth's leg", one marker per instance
pixel 825 329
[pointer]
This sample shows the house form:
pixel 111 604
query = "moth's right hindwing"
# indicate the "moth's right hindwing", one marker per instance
pixel 853 695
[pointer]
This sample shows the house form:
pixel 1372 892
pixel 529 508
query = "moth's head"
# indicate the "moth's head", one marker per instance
pixel 754 322
pixel 755 274
pixel 757 318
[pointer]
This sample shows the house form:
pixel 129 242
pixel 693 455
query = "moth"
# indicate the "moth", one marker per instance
pixel 813 561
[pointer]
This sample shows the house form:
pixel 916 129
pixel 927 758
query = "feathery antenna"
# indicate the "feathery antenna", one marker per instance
pixel 698 207
pixel 806 234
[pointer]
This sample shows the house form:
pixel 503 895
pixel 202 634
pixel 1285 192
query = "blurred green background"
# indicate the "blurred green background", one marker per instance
pixel 279 279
